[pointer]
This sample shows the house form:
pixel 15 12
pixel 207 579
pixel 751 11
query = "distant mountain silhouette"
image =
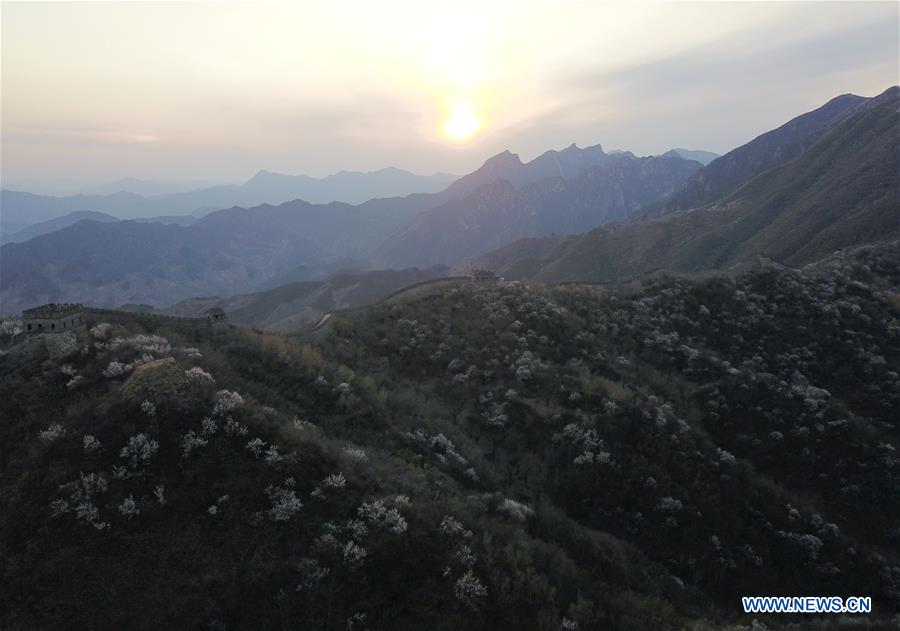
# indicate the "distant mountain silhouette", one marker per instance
pixel 703 157
pixel 44 227
pixel 723 175
pixel 150 188
pixel 592 190
pixel 826 181
pixel 263 188
pixel 24 209
pixel 507 166
pixel 229 251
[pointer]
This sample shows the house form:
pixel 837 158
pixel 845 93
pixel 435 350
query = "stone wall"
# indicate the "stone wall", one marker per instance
pixel 57 324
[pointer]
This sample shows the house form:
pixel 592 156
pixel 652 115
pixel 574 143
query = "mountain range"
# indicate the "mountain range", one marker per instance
pixel 52 225
pixel 825 181
pixel 21 209
pixel 603 189
pixel 239 250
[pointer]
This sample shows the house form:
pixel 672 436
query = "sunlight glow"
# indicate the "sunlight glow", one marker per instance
pixel 463 122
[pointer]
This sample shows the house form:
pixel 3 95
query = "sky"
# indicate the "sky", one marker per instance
pixel 94 92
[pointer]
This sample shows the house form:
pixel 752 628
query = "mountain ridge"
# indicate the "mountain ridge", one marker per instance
pixel 615 187
pixel 767 150
pixel 841 191
pixel 353 187
pixel 232 250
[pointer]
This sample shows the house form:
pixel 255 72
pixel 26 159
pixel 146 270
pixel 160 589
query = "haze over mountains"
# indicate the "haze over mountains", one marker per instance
pixel 703 157
pixel 825 180
pixel 239 250
pixel 602 189
pixel 353 187
pixel 145 188
pixel 52 225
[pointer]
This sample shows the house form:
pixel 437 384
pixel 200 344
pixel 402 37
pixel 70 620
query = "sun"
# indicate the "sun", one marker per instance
pixel 463 122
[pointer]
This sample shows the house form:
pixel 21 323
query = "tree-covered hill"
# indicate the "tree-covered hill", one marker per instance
pixel 486 456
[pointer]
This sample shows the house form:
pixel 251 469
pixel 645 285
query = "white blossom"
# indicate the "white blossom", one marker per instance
pixel 129 508
pixel 190 442
pixel 198 375
pixel 469 589
pixel 233 428
pixel 465 557
pixel 669 504
pixel 726 457
pixel 91 444
pixel 190 352
pixel 11 328
pixel 227 401
pixel 335 481
pixel 58 507
pixel 356 528
pixel 208 426
pixel 63 345
pixel 115 369
pixel 139 450
pixel 256 446
pixel 101 330
pixel 356 621
pixel 451 527
pixel 52 433
pixel 378 514
pixel 516 510
pixel 355 453
pixel 285 503
pixel 147 344
pixel 353 554
pixel 272 455
pixel 303 425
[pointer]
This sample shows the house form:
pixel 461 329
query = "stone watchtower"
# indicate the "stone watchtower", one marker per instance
pixel 215 315
pixel 53 318
pixel 482 276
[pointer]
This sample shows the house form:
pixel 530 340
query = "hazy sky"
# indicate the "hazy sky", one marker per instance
pixel 96 92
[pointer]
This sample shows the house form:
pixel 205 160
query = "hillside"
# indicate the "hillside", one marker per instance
pixel 725 174
pixel 499 213
pixel 287 307
pixel 486 457
pixel 52 225
pixel 841 191
pixel 21 209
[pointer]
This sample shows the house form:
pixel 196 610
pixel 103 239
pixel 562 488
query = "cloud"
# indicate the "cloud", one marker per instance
pixel 82 136
pixel 724 92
